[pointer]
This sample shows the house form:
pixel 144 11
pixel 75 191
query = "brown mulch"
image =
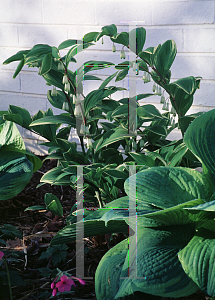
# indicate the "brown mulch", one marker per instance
pixel 39 227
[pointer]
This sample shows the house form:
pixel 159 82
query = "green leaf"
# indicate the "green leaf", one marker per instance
pixel 181 214
pixel 36 207
pixel 198 261
pixel 51 176
pixel 166 187
pixel 111 137
pixel 10 138
pixel 89 37
pixel 199 139
pixel 46 64
pixel 122 74
pixel 121 38
pixel 96 96
pixel 148 111
pixel 164 57
pixel 55 52
pixel 91 228
pixel 69 43
pixel 54 78
pixel 55 120
pixel 185 121
pixel 35 160
pixel 142 159
pixel 53 204
pixel 138 37
pixel 56 101
pixel 39 50
pixel 18 56
pixel 25 116
pixel 19 68
pixel 107 277
pixel 109 30
pixel 107 80
pixel 75 50
pixel 15 172
pixel 148 55
pixel 96 65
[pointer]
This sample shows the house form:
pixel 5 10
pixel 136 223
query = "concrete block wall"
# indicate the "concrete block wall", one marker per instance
pixel 24 23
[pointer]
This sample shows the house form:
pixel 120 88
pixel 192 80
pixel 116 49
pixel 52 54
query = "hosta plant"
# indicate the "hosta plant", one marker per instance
pixel 16 163
pixel 175 234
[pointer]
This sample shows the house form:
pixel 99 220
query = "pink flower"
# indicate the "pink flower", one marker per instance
pixel 52 285
pixel 1 254
pixel 64 284
pixel 54 292
pixel 80 280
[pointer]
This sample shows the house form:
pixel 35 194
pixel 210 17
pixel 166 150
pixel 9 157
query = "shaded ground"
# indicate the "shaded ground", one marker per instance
pixel 38 229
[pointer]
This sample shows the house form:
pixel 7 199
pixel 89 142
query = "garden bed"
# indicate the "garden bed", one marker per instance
pixel 38 228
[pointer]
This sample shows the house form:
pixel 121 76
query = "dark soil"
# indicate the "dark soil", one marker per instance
pixel 38 228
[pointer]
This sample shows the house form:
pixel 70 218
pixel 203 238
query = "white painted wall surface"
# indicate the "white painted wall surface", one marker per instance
pixel 24 23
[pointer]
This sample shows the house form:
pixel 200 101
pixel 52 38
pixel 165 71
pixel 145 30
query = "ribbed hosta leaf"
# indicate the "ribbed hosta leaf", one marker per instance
pixel 15 172
pixel 166 187
pixel 91 228
pixel 107 277
pixel 181 214
pixel 159 271
pixel 198 260
pixel 200 139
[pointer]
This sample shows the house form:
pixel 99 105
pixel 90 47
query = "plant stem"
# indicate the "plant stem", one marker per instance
pixel 8 278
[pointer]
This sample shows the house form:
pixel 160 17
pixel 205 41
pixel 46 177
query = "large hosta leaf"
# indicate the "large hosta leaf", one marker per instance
pixel 10 138
pixel 165 187
pixel 15 172
pixel 198 260
pixel 107 277
pixel 91 228
pixel 156 269
pixel 200 139
pixel 159 271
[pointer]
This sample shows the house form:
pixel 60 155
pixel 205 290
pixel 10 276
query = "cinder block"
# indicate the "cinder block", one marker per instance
pixel 19 11
pixel 32 103
pixel 123 12
pixel 159 35
pixel 33 83
pixel 69 12
pixel 182 12
pixel 30 35
pixel 7 83
pixel 199 39
pixel 8 35
pixel 194 65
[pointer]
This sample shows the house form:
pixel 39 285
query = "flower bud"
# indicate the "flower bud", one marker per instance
pixel 148 78
pixel 60 66
pixel 87 130
pixel 65 106
pixel 162 100
pixel 89 143
pixel 122 54
pixel 154 88
pixel 67 87
pixel 173 111
pixel 102 41
pixel 144 77
pixel 65 79
pixel 74 99
pixel 82 129
pixel 77 111
pixel 113 48
pixel 159 91
pixel 54 91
